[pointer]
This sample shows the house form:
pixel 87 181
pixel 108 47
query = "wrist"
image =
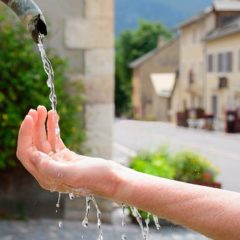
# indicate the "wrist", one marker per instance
pixel 123 179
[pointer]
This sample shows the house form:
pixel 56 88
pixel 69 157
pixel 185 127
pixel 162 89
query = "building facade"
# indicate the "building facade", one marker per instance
pixel 197 58
pixel 223 72
pixel 153 81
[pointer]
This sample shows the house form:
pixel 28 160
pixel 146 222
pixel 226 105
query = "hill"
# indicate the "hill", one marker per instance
pixel 168 12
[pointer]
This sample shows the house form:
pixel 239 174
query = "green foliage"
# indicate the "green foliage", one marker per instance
pixel 153 164
pixel 192 167
pixel 130 46
pixel 23 86
pixel 185 166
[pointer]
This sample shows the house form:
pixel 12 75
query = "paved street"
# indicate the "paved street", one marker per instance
pixel 130 137
pixel 49 230
pixel 222 149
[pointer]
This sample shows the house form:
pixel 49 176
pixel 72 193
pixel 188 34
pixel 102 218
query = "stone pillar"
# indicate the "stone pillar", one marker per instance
pixel 83 32
pixel 94 34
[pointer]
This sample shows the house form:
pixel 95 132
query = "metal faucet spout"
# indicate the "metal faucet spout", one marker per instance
pixel 30 15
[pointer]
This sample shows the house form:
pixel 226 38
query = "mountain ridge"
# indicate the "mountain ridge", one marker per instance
pixel 168 12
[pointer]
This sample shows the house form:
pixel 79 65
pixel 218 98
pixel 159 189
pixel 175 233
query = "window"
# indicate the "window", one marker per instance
pixel 229 62
pixel 220 62
pixel 225 62
pixel 223 20
pixel 223 83
pixel 210 63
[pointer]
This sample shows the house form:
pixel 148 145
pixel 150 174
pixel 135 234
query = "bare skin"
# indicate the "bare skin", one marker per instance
pixel 212 212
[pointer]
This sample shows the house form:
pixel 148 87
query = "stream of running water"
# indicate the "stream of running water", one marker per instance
pixel 90 198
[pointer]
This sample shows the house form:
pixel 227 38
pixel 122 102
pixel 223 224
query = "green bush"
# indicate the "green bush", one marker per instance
pixel 153 164
pixel 23 86
pixel 192 167
pixel 185 166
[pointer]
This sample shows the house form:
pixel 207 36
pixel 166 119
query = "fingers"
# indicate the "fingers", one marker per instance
pixel 25 141
pixel 25 137
pixel 34 115
pixel 54 131
pixel 41 140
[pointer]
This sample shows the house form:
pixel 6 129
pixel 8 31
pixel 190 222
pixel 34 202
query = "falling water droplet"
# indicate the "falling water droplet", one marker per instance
pixel 124 237
pixel 156 222
pixel 71 196
pixel 147 221
pixel 60 224
pixel 124 215
pixel 85 220
pixel 138 217
pixel 99 222
pixel 58 201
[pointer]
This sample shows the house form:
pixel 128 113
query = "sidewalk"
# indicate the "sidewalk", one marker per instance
pixel 49 230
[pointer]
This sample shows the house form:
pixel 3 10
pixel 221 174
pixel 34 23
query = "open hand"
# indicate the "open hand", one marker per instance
pixel 54 166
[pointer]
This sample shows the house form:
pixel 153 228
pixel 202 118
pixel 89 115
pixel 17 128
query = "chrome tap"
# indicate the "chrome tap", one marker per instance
pixel 30 15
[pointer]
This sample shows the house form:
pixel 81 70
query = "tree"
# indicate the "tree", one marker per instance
pixel 23 86
pixel 130 46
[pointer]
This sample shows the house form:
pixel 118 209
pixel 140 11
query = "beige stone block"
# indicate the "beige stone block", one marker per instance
pixel 99 62
pixel 99 9
pixel 99 123
pixel 83 33
pixel 99 89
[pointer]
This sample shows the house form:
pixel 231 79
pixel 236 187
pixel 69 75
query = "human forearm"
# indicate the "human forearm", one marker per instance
pixel 215 213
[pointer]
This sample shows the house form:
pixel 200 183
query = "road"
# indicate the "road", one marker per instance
pixel 220 148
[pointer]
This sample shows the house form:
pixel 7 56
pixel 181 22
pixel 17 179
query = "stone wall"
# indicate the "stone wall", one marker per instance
pixel 83 32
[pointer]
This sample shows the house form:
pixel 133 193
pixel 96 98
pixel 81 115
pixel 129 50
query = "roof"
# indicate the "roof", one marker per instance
pixel 226 5
pixel 137 62
pixel 218 5
pixel 163 83
pixel 197 17
pixel 228 29
pixel 143 58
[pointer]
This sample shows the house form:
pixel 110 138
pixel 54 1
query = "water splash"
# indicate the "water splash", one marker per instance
pixel 50 83
pixel 147 221
pixel 156 222
pixel 124 236
pixel 60 224
pixel 124 215
pixel 71 196
pixel 57 207
pixel 138 217
pixel 88 206
pixel 49 71
pixel 58 201
pixel 53 98
pixel 99 222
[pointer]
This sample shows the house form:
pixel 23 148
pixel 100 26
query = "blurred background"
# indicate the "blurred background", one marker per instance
pixel 151 84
